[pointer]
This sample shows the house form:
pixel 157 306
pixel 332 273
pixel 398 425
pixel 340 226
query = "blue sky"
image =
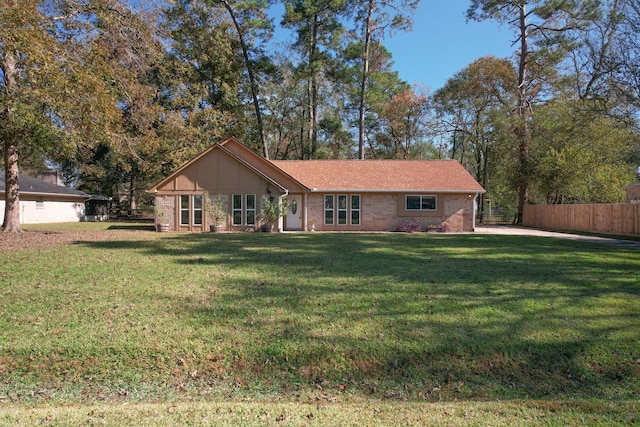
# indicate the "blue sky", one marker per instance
pixel 443 42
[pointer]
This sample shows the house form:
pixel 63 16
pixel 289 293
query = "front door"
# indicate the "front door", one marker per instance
pixel 294 213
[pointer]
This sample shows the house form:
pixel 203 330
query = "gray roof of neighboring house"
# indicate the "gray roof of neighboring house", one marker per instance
pixel 30 185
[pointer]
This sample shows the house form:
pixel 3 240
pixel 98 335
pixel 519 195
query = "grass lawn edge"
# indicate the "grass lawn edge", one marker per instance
pixel 355 413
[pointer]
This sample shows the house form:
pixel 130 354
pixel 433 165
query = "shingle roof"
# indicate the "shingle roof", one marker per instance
pixel 381 175
pixel 37 186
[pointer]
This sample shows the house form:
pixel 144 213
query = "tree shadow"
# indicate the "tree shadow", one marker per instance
pixel 132 226
pixel 414 316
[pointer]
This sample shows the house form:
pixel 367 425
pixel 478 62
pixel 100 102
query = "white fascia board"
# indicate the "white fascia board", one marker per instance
pixel 342 190
pixel 77 196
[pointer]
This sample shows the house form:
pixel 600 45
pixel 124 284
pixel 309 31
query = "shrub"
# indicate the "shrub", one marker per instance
pixel 410 226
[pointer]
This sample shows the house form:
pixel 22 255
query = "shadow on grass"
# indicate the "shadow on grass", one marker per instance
pixel 132 226
pixel 414 316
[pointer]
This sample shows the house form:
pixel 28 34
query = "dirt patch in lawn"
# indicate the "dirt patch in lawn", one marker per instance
pixel 42 239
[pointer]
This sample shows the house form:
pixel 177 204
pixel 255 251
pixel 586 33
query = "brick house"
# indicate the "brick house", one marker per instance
pixel 323 195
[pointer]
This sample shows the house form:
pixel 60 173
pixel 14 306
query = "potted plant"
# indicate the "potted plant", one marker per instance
pixel 272 209
pixel 161 221
pixel 215 211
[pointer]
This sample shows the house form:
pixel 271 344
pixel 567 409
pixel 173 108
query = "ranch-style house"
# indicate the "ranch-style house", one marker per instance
pixel 44 200
pixel 322 195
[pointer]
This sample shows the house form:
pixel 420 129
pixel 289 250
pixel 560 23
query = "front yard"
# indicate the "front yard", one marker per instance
pixel 119 326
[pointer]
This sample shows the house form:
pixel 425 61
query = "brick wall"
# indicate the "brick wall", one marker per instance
pixel 458 213
pixel 383 212
pixel 166 205
pixel 378 212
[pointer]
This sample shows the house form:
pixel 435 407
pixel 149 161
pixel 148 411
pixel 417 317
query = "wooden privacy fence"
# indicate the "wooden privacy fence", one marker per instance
pixel 619 218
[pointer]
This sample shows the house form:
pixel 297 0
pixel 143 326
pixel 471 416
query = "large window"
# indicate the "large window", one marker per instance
pixel 355 209
pixel 197 209
pixel 328 209
pixel 421 203
pixel 244 209
pixel 237 209
pixel 191 209
pixel 250 209
pixel 184 210
pixel 342 209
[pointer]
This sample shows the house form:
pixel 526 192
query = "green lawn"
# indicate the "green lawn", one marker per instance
pixel 293 329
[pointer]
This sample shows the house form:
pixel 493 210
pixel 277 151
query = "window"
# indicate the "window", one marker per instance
pixel 197 209
pixel 244 209
pixel 237 209
pixel 184 210
pixel 191 209
pixel 421 203
pixel 250 211
pixel 39 202
pixel 342 209
pixel 355 209
pixel 328 209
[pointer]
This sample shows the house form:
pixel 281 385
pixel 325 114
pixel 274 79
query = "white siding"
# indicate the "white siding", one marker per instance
pixel 51 211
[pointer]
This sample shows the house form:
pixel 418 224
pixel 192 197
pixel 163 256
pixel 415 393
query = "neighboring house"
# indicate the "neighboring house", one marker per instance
pixel 45 202
pixel 323 195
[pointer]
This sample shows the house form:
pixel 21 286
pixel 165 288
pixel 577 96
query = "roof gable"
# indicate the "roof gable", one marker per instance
pixel 236 150
pixel 381 175
pixel 265 166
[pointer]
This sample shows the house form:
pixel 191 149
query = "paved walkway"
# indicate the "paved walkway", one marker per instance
pixel 524 231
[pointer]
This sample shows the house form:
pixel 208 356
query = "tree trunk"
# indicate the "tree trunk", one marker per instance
pixel 252 79
pixel 312 89
pixel 11 222
pixel 133 204
pixel 524 113
pixel 365 77
pixel 12 194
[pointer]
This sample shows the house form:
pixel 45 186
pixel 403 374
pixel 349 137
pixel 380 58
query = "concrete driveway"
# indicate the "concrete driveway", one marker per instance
pixel 525 231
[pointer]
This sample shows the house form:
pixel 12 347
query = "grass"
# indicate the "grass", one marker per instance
pixel 292 329
pixel 360 413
